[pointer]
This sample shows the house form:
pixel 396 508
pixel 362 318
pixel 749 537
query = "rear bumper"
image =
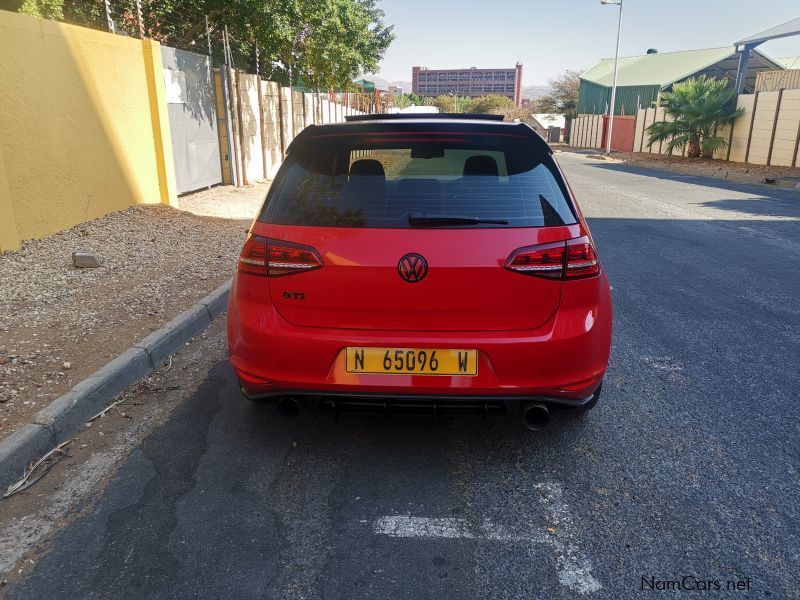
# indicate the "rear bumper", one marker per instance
pixel 561 362
pixel 420 403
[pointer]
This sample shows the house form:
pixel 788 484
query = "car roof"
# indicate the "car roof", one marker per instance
pixel 427 123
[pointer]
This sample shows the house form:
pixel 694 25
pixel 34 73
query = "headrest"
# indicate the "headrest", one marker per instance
pixel 481 165
pixel 367 166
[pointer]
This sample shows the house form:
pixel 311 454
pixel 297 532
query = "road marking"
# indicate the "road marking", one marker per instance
pixel 410 527
pixel 574 569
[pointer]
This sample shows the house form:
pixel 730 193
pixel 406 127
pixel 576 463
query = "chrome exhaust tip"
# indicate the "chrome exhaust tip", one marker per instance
pixel 535 416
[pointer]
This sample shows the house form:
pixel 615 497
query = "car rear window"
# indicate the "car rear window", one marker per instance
pixel 379 182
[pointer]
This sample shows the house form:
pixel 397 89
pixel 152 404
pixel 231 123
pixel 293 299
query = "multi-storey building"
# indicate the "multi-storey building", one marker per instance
pixel 468 82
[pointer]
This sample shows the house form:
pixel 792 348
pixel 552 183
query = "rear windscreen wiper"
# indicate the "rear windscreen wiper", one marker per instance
pixel 417 218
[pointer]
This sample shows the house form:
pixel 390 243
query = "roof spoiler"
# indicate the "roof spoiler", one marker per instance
pixel 398 116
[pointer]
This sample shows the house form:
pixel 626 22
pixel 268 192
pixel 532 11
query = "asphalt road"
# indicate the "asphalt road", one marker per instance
pixel 687 468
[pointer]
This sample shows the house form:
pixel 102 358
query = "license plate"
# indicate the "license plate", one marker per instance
pixel 412 361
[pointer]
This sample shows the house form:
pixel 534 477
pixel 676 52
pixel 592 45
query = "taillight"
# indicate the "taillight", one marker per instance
pixel 573 259
pixel 274 258
pixel 546 260
pixel 253 259
pixel 581 259
pixel 285 258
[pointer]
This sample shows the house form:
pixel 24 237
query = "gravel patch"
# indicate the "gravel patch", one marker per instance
pixel 227 202
pixel 58 323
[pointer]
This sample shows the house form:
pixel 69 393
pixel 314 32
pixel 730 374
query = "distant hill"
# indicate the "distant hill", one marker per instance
pixel 535 91
pixel 383 84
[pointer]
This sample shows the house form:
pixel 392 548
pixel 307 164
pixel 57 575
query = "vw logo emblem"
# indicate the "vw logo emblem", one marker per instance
pixel 412 267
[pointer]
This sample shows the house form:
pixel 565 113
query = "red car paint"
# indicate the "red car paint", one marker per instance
pixel 537 336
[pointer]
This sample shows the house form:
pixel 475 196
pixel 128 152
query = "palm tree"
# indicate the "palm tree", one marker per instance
pixel 698 107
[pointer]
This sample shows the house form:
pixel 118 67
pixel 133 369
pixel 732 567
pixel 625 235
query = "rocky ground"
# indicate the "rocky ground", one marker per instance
pixel 737 172
pixel 59 323
pixel 720 169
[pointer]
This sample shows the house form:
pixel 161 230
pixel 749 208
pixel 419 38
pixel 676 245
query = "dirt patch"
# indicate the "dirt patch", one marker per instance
pixel 705 167
pixel 227 202
pixel 59 324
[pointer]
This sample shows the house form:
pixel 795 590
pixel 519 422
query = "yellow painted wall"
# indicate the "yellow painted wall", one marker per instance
pixel 83 126
pixel 9 240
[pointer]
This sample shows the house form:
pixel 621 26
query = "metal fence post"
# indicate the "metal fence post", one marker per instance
pixel 109 20
pixel 240 137
pixel 730 139
pixel 644 128
pixel 750 133
pixel 208 38
pixel 796 146
pixel 281 127
pixel 262 125
pixel 774 126
pixel 139 19
pixel 227 101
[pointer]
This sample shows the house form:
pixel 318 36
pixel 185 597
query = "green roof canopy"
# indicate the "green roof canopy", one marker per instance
pixel 659 69
pixel 368 86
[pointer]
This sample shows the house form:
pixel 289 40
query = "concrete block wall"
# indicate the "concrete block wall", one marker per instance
pixel 761 128
pixel 767 133
pixel 271 116
pixel 587 131
pixel 741 130
pixel 250 127
pixel 270 94
pixel 787 130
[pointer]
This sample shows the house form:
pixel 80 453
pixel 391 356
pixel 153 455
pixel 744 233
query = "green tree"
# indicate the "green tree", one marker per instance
pixel 47 9
pixel 341 38
pixel 698 107
pixel 491 104
pixel 499 105
pixel 323 43
pixel 563 99
pixel 406 100
pixel 447 103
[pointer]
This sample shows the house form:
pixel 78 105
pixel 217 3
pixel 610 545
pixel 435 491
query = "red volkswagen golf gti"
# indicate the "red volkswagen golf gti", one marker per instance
pixel 431 263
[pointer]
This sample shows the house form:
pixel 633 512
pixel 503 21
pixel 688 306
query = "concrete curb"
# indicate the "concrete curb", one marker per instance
pixel 67 414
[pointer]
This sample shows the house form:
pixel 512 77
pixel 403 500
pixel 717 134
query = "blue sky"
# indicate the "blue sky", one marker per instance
pixel 549 37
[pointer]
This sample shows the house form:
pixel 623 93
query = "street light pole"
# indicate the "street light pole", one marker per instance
pixel 455 101
pixel 614 86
